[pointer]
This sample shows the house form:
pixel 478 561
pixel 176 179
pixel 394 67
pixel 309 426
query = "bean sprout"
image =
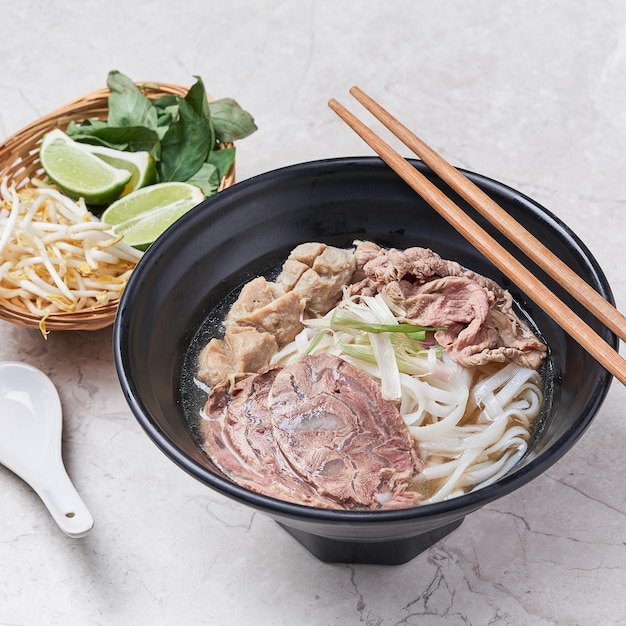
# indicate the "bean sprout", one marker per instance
pixel 55 256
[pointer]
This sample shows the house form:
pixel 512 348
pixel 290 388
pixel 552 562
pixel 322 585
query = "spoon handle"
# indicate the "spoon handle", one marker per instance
pixel 67 508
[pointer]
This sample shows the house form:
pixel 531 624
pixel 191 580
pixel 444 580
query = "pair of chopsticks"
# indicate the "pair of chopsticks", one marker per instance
pixel 580 331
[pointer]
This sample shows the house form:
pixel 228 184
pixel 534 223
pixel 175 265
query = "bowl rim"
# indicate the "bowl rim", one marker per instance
pixel 466 502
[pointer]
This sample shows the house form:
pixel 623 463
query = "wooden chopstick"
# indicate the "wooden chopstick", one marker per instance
pixel 498 217
pixel 579 330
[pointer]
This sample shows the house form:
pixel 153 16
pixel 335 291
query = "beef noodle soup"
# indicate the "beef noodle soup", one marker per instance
pixel 366 379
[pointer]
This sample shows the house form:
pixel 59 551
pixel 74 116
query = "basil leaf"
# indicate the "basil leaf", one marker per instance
pixel 186 144
pixel 196 96
pixel 207 178
pixel 129 138
pixel 167 116
pixel 180 133
pixel 84 128
pixel 222 160
pixel 161 130
pixel 167 109
pixel 230 121
pixel 128 106
pixel 165 101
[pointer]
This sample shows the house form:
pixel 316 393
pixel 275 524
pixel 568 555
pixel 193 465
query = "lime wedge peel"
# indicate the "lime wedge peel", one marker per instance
pixel 141 165
pixel 78 172
pixel 145 214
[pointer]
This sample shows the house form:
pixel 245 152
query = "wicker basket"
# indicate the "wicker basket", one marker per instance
pixel 19 162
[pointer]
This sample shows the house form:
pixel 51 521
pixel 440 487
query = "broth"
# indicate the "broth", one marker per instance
pixel 194 393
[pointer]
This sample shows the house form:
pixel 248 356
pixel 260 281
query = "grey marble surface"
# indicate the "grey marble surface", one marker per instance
pixel 530 93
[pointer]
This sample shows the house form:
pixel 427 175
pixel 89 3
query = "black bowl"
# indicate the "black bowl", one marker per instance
pixel 248 230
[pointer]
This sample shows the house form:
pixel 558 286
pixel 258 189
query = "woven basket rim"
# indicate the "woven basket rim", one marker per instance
pixel 19 160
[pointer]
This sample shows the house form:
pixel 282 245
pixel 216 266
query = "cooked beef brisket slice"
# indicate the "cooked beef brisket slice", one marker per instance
pixel 248 428
pixel 237 436
pixel 332 424
pixel 316 432
pixel 215 441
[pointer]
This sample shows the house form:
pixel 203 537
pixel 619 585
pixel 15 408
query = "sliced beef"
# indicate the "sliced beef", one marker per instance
pixel 480 323
pixel 339 434
pixel 315 432
pixel 237 436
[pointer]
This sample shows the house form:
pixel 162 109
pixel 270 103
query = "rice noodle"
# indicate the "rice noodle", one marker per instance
pixel 472 425
pixel 55 256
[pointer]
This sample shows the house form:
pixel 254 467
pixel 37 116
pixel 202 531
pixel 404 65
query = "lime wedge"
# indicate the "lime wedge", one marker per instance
pixel 143 215
pixel 141 165
pixel 78 172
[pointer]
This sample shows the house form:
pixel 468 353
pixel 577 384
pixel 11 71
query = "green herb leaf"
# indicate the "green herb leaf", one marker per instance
pixel 129 138
pixel 196 96
pixel 222 160
pixel 230 121
pixel 84 128
pixel 165 101
pixel 186 144
pixel 346 321
pixel 128 106
pixel 207 178
pixel 181 134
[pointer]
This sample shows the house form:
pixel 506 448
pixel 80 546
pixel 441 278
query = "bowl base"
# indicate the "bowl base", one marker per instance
pixel 395 552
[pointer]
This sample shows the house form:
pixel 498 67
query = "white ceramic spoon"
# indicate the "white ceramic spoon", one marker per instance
pixel 31 422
